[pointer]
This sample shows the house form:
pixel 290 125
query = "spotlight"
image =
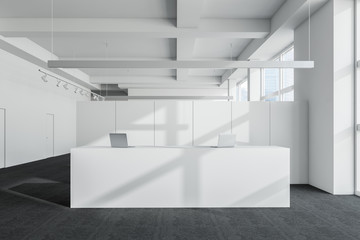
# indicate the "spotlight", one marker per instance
pixel 76 90
pixel 58 83
pixel 66 86
pixel 82 92
pixel 44 78
pixel 88 94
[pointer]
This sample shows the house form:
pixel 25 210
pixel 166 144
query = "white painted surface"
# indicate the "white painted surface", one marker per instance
pixel 27 99
pixel 49 134
pixel 329 91
pixel 95 120
pixel 315 86
pixel 255 84
pixel 251 123
pixel 173 123
pixel 2 137
pixel 344 97
pixel 210 120
pixel 357 111
pixel 177 92
pixel 288 121
pixel 180 177
pixel 136 118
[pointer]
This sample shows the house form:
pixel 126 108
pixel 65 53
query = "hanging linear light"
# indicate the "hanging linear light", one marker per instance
pixel 44 78
pixel 170 64
pixel 68 84
pixel 125 98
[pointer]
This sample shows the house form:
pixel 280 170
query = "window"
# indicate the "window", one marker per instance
pixel 278 84
pixel 242 91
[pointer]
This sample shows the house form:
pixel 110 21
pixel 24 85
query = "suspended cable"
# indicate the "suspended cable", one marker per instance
pixel 52 29
pixel 309 28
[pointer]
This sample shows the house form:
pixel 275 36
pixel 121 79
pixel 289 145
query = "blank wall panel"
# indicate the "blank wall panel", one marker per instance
pixel 289 127
pixel 173 123
pixel 251 123
pixel 210 120
pixel 136 118
pixel 95 120
pixel 2 138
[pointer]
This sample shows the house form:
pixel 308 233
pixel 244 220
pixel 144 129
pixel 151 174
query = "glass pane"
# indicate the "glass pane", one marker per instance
pixel 288 77
pixel 271 80
pixel 273 99
pixel 244 91
pixel 288 97
pixel 289 55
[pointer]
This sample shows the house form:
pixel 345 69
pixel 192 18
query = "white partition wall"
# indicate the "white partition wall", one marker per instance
pixel 136 118
pixel 2 138
pixel 95 120
pixel 251 123
pixel 198 123
pixel 173 123
pixel 210 120
pixel 288 123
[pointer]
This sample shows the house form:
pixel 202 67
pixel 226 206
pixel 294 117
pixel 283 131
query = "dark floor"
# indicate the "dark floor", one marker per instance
pixel 34 204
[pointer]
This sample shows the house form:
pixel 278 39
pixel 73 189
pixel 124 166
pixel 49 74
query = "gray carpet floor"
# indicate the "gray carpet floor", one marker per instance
pixel 34 204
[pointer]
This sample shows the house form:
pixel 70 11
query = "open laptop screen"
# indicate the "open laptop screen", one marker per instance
pixel 118 140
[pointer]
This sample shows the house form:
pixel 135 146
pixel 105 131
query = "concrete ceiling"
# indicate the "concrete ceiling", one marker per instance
pixel 155 30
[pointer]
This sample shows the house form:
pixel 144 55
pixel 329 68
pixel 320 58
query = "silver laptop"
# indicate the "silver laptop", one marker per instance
pixel 118 140
pixel 226 140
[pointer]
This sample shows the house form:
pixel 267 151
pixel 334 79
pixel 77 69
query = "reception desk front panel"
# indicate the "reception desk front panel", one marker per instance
pixel 154 177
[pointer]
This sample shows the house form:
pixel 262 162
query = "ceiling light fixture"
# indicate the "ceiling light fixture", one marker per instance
pixel 171 64
pixel 68 84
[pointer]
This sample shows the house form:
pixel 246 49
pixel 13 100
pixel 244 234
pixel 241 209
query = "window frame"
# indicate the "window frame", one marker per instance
pixel 279 93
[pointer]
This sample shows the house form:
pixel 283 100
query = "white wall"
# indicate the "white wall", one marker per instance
pixel 255 84
pixel 210 120
pixel 344 97
pixel 136 118
pixel 169 123
pixel 27 100
pixel 328 88
pixel 173 123
pixel 2 138
pixel 95 120
pixel 288 121
pixel 251 123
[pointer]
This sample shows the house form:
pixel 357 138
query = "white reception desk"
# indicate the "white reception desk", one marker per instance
pixel 154 177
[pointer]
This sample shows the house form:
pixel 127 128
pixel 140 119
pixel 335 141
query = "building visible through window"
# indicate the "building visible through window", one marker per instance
pixel 278 84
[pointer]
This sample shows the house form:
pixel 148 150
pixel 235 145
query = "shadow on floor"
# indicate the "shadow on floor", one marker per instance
pixel 58 193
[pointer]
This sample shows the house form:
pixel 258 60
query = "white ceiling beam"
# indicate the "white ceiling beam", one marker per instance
pixel 184 51
pixel 63 73
pixel 188 16
pixel 152 28
pixel 168 64
pixel 188 13
pixel 288 11
pixel 178 85
pixel 153 80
